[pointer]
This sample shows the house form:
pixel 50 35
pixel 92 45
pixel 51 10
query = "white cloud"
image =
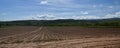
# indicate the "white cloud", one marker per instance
pixel 116 15
pixel 86 17
pixel 59 3
pixel 110 7
pixel 44 2
pixel 44 17
pixel 84 12
pixel 54 17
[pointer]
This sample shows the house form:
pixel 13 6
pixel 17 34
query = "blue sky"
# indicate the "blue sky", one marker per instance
pixel 58 9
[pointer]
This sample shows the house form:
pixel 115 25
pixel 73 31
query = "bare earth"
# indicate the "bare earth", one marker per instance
pixel 59 37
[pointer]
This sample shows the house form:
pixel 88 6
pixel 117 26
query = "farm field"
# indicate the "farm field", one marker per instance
pixel 59 37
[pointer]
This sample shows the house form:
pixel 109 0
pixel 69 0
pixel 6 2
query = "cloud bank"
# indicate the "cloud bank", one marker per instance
pixel 54 17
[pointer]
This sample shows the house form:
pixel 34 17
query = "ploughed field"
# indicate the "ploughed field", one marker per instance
pixel 59 37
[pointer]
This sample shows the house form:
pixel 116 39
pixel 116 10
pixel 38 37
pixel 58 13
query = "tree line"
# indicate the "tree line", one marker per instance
pixel 115 22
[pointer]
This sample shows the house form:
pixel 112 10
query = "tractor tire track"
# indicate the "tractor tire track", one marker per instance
pixel 18 37
pixel 90 43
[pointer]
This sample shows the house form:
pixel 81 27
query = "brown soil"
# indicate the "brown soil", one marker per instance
pixel 59 37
